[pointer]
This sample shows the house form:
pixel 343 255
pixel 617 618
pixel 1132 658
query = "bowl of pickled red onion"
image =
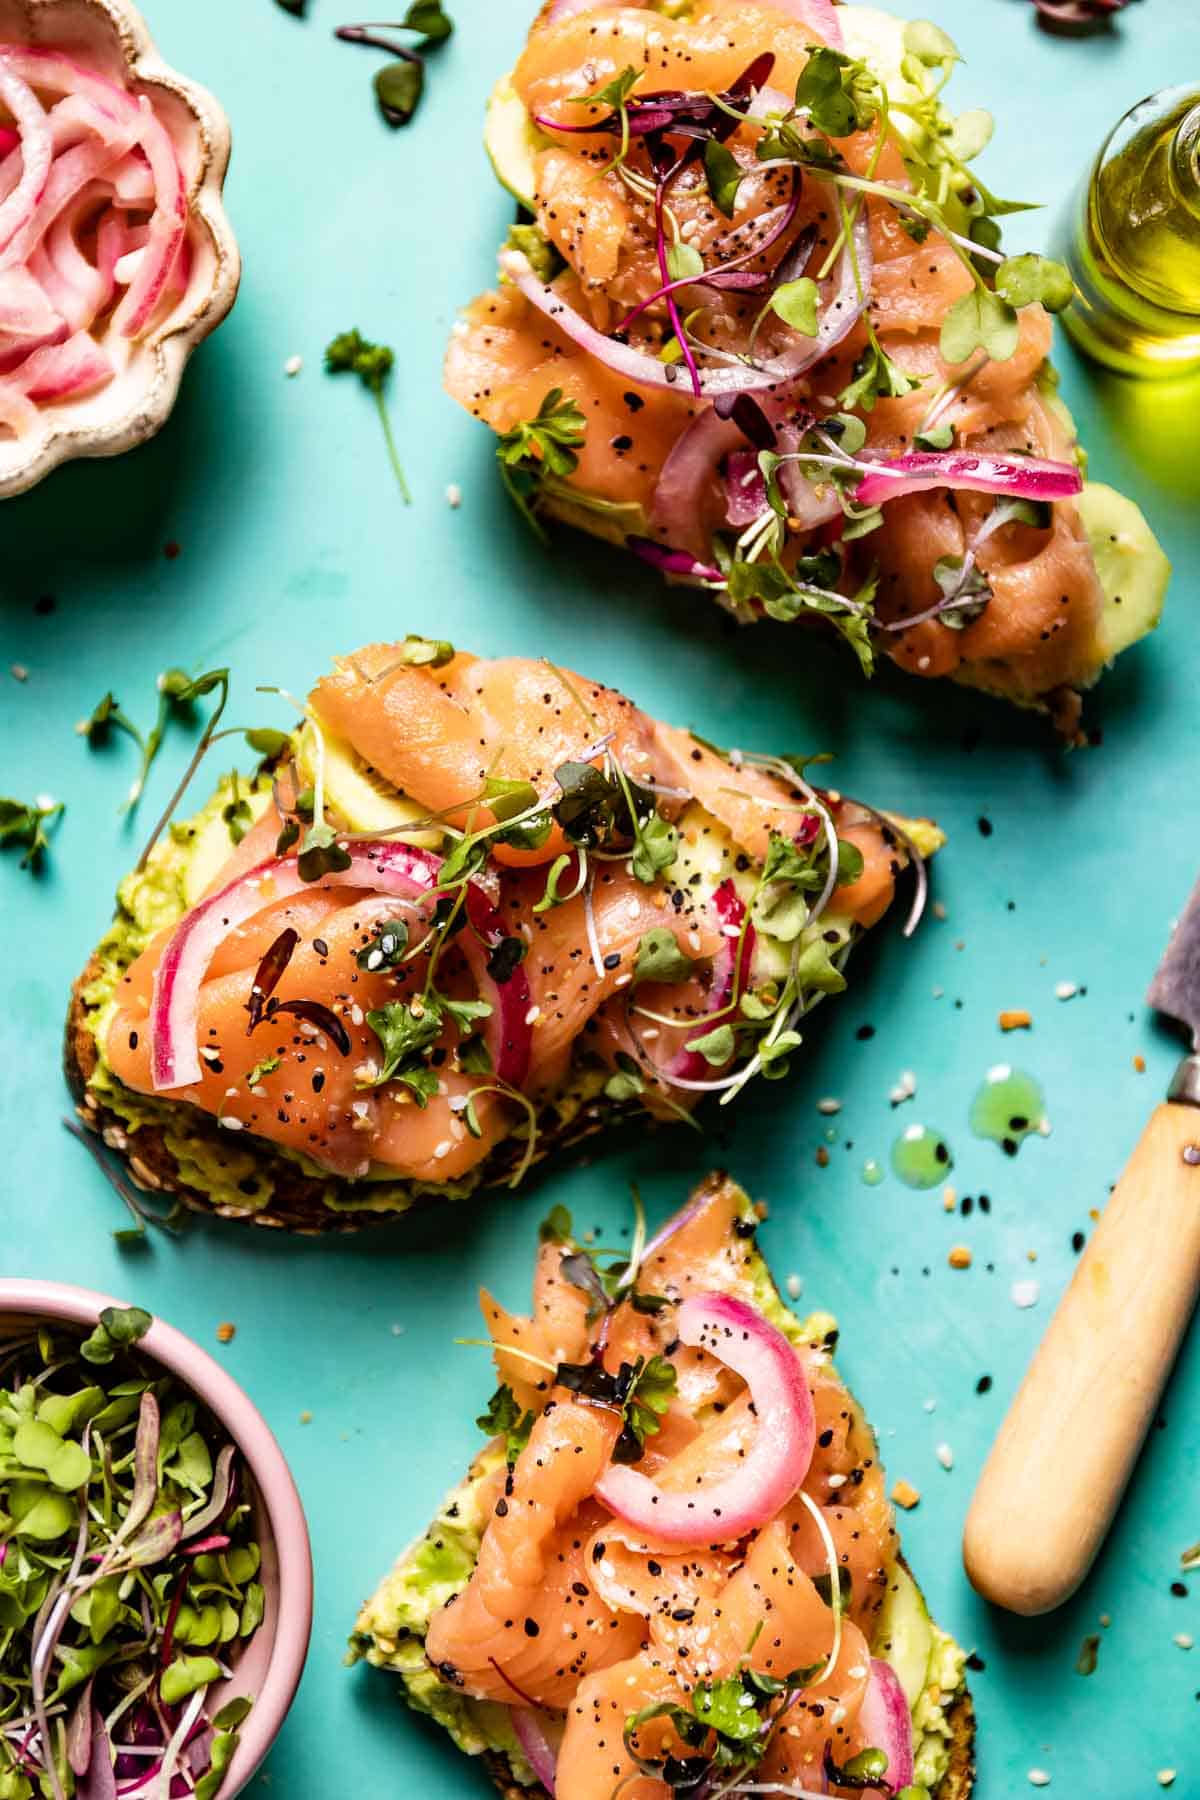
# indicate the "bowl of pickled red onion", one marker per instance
pixel 116 256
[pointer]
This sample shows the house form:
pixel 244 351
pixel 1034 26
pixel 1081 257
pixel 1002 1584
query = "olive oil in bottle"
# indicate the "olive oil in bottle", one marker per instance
pixel 1135 249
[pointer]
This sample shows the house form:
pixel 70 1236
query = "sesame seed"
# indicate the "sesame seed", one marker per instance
pixel 795 1287
pixel 293 366
pixel 837 1481
pixel 1065 990
pixel 1038 1778
pixel 945 1456
pixel 1025 1293
pixel 1184 1640
pixel 230 1123
pixel 19 672
pixel 533 1015
pixel 1165 1777
pixel 829 1106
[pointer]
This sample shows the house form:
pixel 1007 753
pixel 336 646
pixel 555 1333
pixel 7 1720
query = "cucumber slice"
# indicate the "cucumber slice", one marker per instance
pixel 361 798
pixel 1132 566
pixel 512 140
pixel 213 846
pixel 904 1635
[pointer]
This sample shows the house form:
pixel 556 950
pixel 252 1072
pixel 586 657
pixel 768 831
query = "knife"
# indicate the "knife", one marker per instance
pixel 1066 1451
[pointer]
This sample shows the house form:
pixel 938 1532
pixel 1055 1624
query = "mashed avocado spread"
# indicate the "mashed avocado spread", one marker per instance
pixel 390 1630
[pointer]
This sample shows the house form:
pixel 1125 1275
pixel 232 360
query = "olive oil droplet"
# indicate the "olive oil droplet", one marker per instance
pixel 872 1172
pixel 921 1157
pixel 1008 1108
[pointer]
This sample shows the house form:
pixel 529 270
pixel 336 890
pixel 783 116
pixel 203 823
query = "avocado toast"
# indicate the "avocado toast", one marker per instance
pixel 674 1566
pixel 755 325
pixel 470 912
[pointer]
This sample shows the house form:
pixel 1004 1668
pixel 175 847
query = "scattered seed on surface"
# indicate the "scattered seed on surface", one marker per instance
pixel 306 1418
pixel 945 1456
pixel 1039 1778
pixel 1025 1293
pixel 984 1385
pixel 1089 1652
pixel 829 1106
pixel 1139 1063
pixel 19 672
pixel 821 1155
pixel 453 495
pixel 1165 1777
pixel 1016 1018
pixel 226 1332
pixel 939 909
pixel 398 1330
pixel 1184 1640
pixel 904 1089
pixel 906 1495
pixel 795 1286
pixel 931 1406
pixel 293 366
pixel 960 1257
pixel 1065 990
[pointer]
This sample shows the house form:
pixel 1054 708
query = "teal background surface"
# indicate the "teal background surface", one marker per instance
pixel 293 547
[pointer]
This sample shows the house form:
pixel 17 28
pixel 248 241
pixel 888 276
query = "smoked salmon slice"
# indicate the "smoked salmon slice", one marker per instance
pixel 579 1652
pixel 479 907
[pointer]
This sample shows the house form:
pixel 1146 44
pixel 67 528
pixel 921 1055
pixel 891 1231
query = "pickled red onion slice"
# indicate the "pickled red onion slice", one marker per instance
pixel 378 867
pixel 886 1724
pixel 778 1459
pixel 35 151
pixel 1021 477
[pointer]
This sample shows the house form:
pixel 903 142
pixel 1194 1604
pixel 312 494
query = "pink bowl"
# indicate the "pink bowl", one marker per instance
pixel 269 1668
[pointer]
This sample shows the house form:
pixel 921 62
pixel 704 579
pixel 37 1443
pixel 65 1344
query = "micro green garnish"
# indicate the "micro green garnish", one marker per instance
pixel 261 1070
pixel 408 1029
pixel 539 452
pixel 724 175
pixel 1089 1655
pixel 128 1570
pixel 659 957
pixel 504 1418
pixel 352 354
pixel 614 94
pixel 387 947
pixel 399 85
pixel 178 692
pixel 23 826
pixel 140 1207
pixel 640 1392
pixel 866 1770
pixel 236 813
pixel 727 1727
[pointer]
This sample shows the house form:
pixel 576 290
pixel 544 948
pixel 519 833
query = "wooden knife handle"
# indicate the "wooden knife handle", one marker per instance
pixel 1065 1452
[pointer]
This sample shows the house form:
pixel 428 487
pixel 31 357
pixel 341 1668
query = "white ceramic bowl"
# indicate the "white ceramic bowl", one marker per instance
pixel 111 37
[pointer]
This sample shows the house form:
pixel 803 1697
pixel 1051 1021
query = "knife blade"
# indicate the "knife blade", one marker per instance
pixel 1071 1440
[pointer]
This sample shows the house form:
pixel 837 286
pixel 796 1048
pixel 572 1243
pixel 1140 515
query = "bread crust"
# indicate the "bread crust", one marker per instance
pixel 298 1201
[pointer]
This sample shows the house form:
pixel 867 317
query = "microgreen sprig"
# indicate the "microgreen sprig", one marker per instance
pixel 399 85
pixel 540 452
pixel 25 825
pixel 352 354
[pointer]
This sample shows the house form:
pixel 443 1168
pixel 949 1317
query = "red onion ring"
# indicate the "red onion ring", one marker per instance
pixel 1021 477
pixel 379 867
pixel 745 489
pixel 778 1459
pixel 19 414
pixel 529 1729
pixel 731 968
pixel 841 310
pixel 35 150
pixel 507 1033
pixel 25 311
pixel 167 226
pixel 886 1724
pixel 806 504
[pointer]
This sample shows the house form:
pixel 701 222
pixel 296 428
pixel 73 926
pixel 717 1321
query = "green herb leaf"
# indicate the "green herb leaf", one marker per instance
pixel 614 93
pixel 940 438
pixel 626 1082
pixel 425 653
pixel 716 1046
pixel 321 854
pixel 405 1031
pixel 24 826
pixel 387 947
pixel 507 799
pixel 185 1675
pixel 980 320
pixel 840 95
pixel 659 957
pixel 546 445
pixel 850 863
pixel 38 1446
pixel 650 1395
pixel 350 353
pixel 556 1227
pixel 727 1707
pixel 287 837
pixel 724 175
pixel 795 302
pixel 684 261
pixel 268 744
pixel 427 17
pixel 398 89
pixel 504 1418
pixel 1024 280
pixel 656 847
pixel 118 1328
pixel 929 44
pixel 551 897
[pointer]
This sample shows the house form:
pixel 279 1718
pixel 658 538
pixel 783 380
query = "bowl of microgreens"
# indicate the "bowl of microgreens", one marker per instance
pixel 155 1574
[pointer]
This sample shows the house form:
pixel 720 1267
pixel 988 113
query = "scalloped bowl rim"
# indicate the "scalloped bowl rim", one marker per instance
pixel 169 352
pixel 249 1431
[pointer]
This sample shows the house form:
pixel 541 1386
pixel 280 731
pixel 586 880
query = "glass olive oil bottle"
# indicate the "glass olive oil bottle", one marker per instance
pixel 1135 250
